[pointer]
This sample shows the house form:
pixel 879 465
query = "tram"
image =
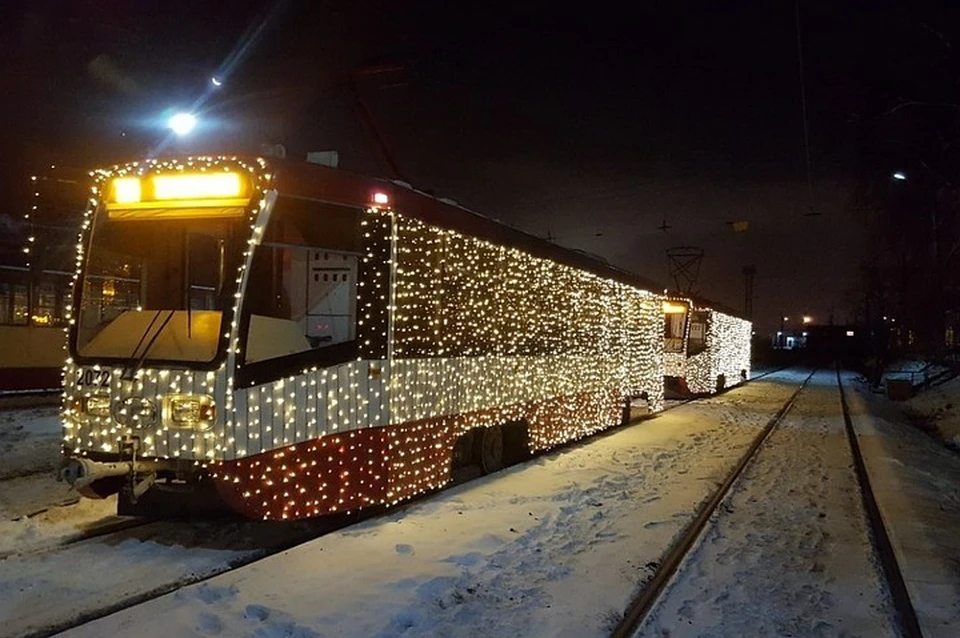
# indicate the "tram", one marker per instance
pixel 703 348
pixel 295 340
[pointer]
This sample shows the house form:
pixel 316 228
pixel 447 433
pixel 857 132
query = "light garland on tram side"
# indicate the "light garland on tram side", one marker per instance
pixel 416 455
pixel 727 352
pixel 496 297
pixel 731 341
pixel 105 427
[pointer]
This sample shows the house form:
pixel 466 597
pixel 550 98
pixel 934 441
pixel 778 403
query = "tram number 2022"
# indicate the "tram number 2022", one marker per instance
pixel 96 378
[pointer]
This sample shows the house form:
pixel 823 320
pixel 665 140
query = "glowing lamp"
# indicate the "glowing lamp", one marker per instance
pixel 381 198
pixel 126 190
pixel 179 195
pixel 670 308
pixel 182 123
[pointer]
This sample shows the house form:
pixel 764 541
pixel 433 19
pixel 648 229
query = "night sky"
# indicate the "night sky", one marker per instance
pixel 593 125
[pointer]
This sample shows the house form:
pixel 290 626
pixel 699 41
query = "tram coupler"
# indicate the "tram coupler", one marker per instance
pixel 129 447
pixel 98 479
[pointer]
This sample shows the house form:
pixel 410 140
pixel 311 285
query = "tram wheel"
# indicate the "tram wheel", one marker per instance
pixel 490 452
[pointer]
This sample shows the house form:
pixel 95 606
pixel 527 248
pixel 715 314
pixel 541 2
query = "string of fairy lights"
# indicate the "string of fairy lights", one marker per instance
pixel 28 219
pixel 85 432
pixel 454 333
pixel 726 352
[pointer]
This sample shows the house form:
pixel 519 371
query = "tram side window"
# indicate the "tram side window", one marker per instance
pixel 45 305
pixel 698 334
pixel 302 292
pixel 6 305
pixel 13 304
pixel 674 325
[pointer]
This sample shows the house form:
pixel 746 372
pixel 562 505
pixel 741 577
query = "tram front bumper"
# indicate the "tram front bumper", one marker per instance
pixel 96 479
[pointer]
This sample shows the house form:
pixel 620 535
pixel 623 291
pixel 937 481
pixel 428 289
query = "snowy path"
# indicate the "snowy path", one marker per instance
pixel 31 515
pixel 29 441
pixel 555 547
pixel 789 553
pixel 917 484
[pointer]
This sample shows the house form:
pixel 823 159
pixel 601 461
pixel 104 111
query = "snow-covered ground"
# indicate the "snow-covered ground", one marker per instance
pixel 556 547
pixel 29 441
pixel 36 509
pixel 559 544
pixel 917 484
pixel 938 409
pixel 789 552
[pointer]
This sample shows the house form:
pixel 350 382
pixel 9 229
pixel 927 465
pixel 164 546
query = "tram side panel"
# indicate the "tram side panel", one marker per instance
pixel 481 335
pixel 486 335
pixel 724 358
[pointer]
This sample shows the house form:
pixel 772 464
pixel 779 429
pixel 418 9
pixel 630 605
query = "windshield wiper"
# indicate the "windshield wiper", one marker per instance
pixel 129 372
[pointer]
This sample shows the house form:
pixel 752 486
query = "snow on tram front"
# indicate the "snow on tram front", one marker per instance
pixel 293 340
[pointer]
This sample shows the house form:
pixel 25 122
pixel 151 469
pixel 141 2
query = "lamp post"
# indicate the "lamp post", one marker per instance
pixel 926 312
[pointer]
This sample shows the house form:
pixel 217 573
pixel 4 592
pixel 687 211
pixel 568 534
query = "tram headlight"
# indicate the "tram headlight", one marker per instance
pixel 189 411
pixel 97 406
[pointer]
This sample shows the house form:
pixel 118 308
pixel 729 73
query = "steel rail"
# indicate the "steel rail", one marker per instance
pixel 638 609
pixel 903 607
pixel 111 527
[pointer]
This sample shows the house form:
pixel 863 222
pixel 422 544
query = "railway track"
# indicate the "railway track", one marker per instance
pixel 906 614
pixel 642 607
pixel 110 526
pixel 112 549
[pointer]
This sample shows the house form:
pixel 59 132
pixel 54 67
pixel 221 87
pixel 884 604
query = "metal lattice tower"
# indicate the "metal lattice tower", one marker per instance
pixel 685 267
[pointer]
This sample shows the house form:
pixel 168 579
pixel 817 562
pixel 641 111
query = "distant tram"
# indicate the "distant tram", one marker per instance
pixel 702 348
pixel 296 340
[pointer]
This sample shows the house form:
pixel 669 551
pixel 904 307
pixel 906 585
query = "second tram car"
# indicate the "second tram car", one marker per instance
pixel 300 340
pixel 703 348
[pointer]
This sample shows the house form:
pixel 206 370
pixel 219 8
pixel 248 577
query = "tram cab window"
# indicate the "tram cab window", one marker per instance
pixel 301 296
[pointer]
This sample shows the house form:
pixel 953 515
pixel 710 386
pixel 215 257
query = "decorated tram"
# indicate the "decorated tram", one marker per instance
pixel 294 340
pixel 703 348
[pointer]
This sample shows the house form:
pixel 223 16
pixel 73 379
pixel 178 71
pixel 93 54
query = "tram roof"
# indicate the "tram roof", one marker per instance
pixel 337 186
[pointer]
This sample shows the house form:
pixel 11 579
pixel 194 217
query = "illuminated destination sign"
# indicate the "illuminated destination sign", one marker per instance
pixel 178 195
pixel 670 308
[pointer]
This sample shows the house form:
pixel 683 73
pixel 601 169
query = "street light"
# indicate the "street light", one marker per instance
pixel 182 123
pixel 899 176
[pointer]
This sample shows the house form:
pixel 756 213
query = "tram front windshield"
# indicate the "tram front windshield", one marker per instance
pixel 156 290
